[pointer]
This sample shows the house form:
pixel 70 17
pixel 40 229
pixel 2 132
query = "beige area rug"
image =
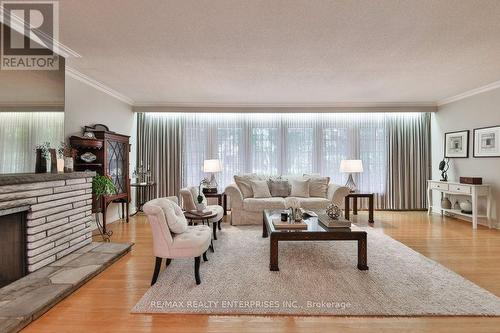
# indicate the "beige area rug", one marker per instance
pixel 315 278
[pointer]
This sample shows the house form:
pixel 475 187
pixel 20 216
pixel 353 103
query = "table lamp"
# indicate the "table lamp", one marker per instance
pixel 350 167
pixel 211 166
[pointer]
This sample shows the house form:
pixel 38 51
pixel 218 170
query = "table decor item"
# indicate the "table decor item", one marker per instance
pixel 446 203
pixel 486 142
pixel 456 206
pixel 333 211
pixel 444 166
pixel 456 144
pixel 200 206
pixel 212 167
pixel 278 224
pixel 331 223
pixel 466 207
pixel 471 180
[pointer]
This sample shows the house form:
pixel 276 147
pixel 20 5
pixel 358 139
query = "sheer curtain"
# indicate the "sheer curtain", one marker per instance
pixel 312 143
pixel 20 132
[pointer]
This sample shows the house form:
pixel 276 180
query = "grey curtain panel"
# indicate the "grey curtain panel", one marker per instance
pixel 408 162
pixel 159 142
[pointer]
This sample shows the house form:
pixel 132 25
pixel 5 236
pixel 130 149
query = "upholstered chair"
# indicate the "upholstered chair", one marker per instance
pixel 189 197
pixel 192 242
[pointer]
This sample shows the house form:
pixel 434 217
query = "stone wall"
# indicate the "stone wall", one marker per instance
pixel 59 217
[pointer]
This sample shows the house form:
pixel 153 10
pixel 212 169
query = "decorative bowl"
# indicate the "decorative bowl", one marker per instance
pixel 88 157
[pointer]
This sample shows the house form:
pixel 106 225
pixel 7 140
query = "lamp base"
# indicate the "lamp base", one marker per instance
pixel 351 185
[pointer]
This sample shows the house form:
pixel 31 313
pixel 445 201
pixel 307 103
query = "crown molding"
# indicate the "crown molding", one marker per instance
pixel 97 85
pixel 470 93
pixel 281 107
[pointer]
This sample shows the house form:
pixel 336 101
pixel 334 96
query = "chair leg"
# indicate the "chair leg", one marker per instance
pixel 219 224
pixel 205 256
pixel 168 262
pixel 157 270
pixel 197 269
pixel 212 246
pixel 215 230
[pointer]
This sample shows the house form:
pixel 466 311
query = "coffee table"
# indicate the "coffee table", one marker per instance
pixel 316 231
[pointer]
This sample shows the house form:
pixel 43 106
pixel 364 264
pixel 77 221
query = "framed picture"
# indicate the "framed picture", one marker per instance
pixel 486 142
pixel 456 144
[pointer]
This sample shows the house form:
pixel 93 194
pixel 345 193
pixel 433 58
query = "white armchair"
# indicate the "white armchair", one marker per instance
pixel 193 243
pixel 189 195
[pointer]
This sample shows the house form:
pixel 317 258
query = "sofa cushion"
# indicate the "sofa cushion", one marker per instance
pixel 259 204
pixel 313 203
pixel 300 188
pixel 244 183
pixel 260 189
pixel 174 215
pixel 279 187
pixel 318 186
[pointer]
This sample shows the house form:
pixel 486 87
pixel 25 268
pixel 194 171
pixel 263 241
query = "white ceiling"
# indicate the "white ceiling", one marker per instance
pixel 284 52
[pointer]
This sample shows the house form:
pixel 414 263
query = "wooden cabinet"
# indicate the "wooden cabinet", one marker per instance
pixel 112 160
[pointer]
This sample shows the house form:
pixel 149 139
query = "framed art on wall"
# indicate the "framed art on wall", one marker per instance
pixel 456 144
pixel 486 142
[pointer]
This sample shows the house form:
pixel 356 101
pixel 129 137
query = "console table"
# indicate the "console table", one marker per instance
pixel 454 188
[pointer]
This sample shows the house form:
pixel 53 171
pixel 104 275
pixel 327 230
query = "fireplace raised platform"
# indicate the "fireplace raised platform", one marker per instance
pixel 58 213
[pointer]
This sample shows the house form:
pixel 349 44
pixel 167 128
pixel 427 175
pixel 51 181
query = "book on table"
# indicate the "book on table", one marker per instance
pixel 331 223
pixel 283 225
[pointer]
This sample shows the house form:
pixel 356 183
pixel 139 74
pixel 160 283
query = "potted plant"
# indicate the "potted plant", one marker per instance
pixel 101 186
pixel 42 155
pixel 200 206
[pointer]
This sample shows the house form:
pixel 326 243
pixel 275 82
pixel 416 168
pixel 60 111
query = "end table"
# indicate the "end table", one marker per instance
pixel 221 200
pixel 355 196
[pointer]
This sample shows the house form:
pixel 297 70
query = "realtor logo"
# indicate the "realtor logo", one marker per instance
pixel 28 35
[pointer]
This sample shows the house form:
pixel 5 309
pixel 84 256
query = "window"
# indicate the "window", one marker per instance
pixel 264 145
pixel 299 151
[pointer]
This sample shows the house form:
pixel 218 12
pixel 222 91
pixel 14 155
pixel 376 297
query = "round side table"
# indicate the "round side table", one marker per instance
pixel 195 219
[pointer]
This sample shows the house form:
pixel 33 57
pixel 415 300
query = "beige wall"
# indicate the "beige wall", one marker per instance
pixel 86 105
pixel 473 112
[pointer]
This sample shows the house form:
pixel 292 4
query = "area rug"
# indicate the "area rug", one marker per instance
pixel 315 278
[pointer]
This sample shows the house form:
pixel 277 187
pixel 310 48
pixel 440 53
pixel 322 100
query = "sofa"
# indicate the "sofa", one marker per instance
pixel 312 192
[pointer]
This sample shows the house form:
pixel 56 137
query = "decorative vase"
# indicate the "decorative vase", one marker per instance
pixel 446 203
pixel 60 165
pixel 466 207
pixel 200 207
pixel 297 214
pixel 333 211
pixel 53 161
pixel 68 164
pixel 456 205
pixel 41 162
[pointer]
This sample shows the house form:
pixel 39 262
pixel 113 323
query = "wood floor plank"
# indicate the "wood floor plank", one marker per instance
pixel 103 304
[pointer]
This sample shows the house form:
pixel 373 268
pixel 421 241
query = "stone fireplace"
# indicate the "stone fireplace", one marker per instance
pixel 43 217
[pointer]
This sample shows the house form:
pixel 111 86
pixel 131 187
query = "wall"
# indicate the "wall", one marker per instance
pixel 473 112
pixel 85 105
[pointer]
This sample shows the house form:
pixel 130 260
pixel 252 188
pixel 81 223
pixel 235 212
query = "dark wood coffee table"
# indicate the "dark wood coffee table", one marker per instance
pixel 316 231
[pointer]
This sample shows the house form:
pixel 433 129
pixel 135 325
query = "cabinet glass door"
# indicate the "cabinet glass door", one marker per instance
pixel 116 165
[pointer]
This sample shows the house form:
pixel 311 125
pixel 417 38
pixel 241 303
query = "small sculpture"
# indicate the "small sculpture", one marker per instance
pixel 444 166
pixel 333 211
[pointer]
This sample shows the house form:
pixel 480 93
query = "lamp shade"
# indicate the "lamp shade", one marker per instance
pixel 351 166
pixel 212 166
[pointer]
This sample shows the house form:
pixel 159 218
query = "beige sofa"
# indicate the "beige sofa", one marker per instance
pixel 249 210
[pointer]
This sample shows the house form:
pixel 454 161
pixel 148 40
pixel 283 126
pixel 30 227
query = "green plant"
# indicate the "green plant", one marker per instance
pixel 102 185
pixel 199 198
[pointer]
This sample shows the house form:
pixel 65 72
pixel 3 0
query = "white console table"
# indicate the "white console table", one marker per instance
pixel 453 188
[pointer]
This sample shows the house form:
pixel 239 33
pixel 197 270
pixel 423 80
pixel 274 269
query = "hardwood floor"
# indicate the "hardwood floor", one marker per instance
pixel 104 303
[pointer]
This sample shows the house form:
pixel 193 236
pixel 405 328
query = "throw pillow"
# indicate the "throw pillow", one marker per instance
pixel 318 186
pixel 176 220
pixel 300 188
pixel 260 189
pixel 279 187
pixel 244 183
